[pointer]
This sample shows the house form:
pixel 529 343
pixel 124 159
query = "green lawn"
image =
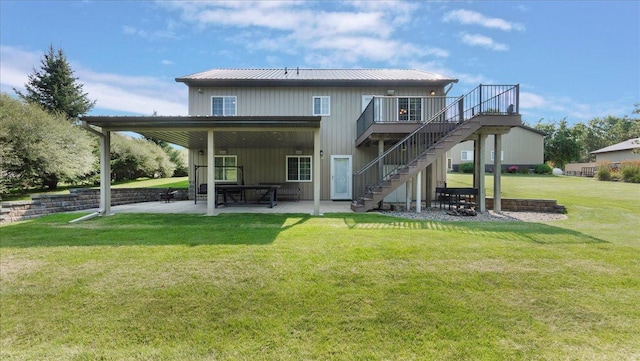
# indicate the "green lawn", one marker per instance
pixel 341 286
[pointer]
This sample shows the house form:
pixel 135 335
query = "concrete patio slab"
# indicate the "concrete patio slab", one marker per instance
pixel 305 207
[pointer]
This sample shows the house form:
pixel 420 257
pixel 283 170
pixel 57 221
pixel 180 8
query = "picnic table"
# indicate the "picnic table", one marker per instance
pixel 457 197
pixel 230 193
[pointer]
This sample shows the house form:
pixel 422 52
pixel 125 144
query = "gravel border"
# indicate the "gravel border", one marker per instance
pixel 437 214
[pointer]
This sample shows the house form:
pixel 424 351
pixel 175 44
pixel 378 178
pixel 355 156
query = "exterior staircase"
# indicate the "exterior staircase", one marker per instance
pixel 452 125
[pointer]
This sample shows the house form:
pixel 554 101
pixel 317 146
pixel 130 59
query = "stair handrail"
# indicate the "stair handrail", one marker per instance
pixel 486 99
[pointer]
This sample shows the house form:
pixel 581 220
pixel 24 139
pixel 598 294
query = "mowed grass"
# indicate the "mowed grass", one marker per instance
pixel 341 286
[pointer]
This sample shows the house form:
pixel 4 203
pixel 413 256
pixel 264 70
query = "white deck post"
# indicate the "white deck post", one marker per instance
pixel 409 192
pixel 419 192
pixel 497 173
pixel 211 175
pixel 479 162
pixel 316 172
pixel 105 173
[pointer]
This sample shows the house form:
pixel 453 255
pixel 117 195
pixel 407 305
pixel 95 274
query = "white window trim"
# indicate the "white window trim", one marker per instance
pixel 225 97
pixel 236 163
pixel 310 168
pixel 321 113
pixel 466 155
pixel 501 155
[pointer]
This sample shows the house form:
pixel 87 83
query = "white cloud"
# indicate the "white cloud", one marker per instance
pixel 468 17
pixel 483 41
pixel 150 35
pixel 113 92
pixel 353 32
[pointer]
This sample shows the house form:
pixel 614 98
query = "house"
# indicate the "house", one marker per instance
pixel 523 147
pixel 627 150
pixel 337 134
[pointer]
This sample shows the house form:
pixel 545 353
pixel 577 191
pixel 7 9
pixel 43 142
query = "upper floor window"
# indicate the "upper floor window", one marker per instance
pixel 410 109
pixel 226 168
pixel 322 106
pixel 223 106
pixel 299 168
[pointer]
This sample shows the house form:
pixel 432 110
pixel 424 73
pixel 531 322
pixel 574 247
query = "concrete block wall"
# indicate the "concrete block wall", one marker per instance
pixel 78 199
pixel 528 205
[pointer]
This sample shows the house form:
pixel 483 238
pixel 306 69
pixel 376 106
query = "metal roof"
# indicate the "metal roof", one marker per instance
pixel 289 76
pixel 633 143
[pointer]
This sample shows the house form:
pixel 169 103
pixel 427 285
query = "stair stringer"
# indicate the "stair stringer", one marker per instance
pixel 377 194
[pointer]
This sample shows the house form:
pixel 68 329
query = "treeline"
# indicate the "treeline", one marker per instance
pixel 40 149
pixel 42 143
pixel 568 144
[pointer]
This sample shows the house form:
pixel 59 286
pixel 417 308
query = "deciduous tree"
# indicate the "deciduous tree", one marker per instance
pixel 38 148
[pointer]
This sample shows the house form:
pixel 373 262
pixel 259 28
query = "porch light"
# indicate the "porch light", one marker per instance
pixel 433 92
pixel 200 152
pixel 298 151
pixel 390 92
pixel 321 153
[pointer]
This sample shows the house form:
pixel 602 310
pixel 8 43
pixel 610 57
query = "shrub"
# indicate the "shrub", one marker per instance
pixel 630 171
pixel 466 168
pixel 603 171
pixel 542 169
pixel 523 170
pixel 512 169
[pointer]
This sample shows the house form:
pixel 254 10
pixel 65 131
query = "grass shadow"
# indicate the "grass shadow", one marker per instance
pixel 129 229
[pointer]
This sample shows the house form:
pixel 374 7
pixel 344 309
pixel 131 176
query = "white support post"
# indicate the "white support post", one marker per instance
pixel 497 173
pixel 419 192
pixel 316 172
pixel 409 192
pixel 105 173
pixel 211 175
pixel 479 181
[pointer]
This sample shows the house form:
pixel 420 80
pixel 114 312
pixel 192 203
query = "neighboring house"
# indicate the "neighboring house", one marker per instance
pixel 523 146
pixel 627 150
pixel 337 134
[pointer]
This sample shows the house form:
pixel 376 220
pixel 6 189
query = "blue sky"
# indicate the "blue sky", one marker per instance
pixel 573 59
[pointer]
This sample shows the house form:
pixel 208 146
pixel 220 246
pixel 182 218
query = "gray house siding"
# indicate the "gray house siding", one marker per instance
pixel 337 131
pixel 521 146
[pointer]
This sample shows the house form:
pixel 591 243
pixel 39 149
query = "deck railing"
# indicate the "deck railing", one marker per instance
pixel 483 100
pixel 398 109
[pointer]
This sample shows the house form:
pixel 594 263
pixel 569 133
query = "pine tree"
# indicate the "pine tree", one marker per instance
pixel 55 88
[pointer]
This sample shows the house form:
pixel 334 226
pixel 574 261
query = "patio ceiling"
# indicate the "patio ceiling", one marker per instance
pixel 242 132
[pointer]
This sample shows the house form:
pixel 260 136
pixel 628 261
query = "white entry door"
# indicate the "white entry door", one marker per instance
pixel 341 177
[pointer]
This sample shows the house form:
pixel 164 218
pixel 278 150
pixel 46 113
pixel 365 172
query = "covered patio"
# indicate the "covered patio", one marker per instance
pixel 206 136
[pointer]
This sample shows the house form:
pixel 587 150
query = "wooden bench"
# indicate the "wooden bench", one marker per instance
pixel 288 189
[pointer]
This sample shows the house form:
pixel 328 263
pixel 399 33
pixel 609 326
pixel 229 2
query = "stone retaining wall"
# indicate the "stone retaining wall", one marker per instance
pixel 528 205
pixel 78 199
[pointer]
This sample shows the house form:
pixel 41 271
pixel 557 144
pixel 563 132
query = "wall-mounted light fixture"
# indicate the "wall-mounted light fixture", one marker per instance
pixel 433 92
pixel 390 92
pixel 222 151
pixel 200 90
pixel 298 151
pixel 321 153
pixel 200 152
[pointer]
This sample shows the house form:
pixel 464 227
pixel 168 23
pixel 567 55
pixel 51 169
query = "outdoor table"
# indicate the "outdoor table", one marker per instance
pixel 228 192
